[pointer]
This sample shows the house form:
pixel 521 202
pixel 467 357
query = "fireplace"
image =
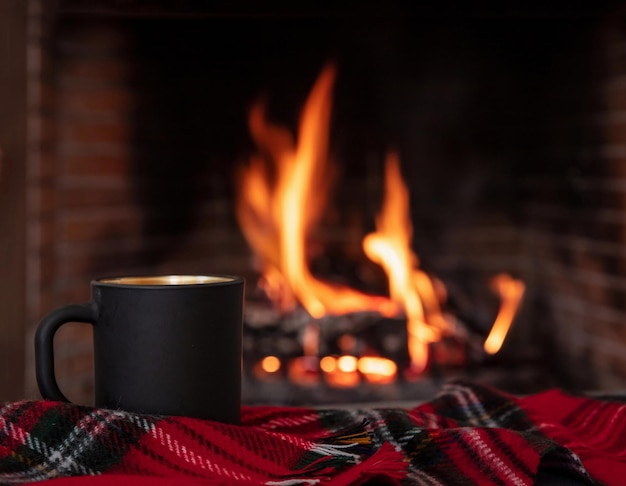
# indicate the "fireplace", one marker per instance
pixel 507 125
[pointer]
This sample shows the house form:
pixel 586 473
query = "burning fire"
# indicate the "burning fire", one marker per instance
pixel 390 247
pixel 282 193
pixel 279 205
pixel 511 292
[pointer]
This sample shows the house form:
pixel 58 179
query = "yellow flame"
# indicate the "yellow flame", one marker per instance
pixel 390 247
pixel 511 292
pixel 282 193
pixel 278 205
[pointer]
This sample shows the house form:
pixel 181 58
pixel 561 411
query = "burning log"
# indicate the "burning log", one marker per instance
pixel 317 333
pixel 309 352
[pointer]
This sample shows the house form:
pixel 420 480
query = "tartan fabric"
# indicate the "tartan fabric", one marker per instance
pixel 467 434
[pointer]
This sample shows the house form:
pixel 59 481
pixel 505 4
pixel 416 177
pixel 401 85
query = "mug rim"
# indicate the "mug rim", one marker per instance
pixel 123 281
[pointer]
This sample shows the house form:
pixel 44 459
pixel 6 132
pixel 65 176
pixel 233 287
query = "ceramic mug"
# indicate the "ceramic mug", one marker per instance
pixel 167 344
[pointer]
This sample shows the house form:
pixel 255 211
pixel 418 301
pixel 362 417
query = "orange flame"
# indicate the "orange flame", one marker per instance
pixel 281 195
pixel 390 247
pixel 277 207
pixel 511 292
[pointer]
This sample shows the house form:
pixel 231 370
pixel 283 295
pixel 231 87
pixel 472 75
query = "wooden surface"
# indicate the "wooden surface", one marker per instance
pixel 12 196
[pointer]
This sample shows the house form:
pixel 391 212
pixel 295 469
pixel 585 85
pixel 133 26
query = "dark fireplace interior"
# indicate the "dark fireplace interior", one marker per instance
pixel 509 126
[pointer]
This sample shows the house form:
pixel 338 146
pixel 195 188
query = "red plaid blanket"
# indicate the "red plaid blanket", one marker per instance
pixel 467 434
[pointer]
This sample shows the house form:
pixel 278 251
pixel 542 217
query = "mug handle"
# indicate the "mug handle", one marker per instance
pixel 44 345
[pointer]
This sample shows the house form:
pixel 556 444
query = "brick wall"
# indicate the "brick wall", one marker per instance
pixel 13 149
pixel 85 218
pixel 575 232
pixel 77 186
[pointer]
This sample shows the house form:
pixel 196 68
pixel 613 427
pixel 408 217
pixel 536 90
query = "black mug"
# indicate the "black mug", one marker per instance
pixel 167 345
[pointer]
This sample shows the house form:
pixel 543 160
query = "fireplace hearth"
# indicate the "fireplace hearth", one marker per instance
pixel 510 145
pixel 278 368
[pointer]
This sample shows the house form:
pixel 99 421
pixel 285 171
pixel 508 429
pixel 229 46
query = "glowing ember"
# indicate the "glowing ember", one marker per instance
pixel 344 370
pixel 341 372
pixel 377 370
pixel 511 292
pixel 270 364
pixel 277 207
pixel 268 369
pixel 347 364
pixel 304 370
